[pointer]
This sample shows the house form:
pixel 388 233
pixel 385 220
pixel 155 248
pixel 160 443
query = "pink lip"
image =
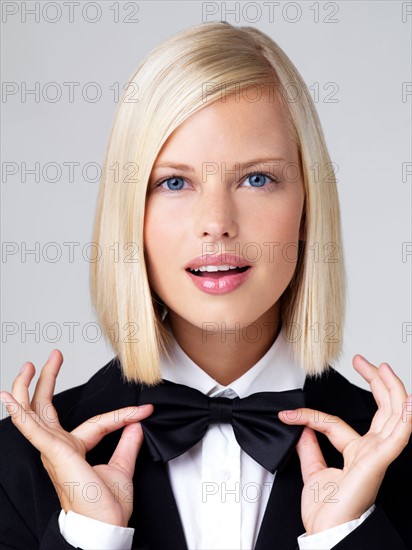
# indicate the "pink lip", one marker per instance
pixel 217 259
pixel 220 285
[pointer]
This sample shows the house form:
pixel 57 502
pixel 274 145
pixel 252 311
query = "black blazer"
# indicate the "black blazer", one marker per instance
pixel 29 506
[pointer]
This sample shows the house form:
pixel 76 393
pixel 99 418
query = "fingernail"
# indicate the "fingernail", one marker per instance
pixel 23 367
pixel 286 413
pixel 144 408
pixel 292 415
pixel 51 355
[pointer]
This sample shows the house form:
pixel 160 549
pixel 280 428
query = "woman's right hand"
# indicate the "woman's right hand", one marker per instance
pixel 103 492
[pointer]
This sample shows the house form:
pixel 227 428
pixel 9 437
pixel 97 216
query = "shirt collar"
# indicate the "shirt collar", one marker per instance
pixel 277 370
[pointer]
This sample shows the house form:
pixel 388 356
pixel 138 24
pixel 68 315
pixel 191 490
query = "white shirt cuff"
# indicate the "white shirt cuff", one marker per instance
pixel 89 534
pixel 325 540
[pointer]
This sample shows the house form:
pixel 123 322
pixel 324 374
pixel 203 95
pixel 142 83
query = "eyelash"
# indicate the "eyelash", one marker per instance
pixel 273 183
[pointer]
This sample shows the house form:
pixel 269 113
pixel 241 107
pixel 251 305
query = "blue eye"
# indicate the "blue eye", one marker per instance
pixel 174 183
pixel 258 179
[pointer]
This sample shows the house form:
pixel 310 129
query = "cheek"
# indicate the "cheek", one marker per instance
pixel 281 223
pixel 279 234
pixel 160 242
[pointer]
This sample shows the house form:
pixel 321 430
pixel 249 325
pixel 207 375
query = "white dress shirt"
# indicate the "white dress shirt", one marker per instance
pixel 220 491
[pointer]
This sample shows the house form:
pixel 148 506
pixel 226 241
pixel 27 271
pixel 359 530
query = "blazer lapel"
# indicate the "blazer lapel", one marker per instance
pixel 155 515
pixel 282 523
pixel 333 394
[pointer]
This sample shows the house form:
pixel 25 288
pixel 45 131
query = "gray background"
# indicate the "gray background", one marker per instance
pixel 358 63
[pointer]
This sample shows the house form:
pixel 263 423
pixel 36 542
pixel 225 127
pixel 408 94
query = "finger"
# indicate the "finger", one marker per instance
pixel 401 433
pixel 388 391
pixel 93 430
pixel 310 455
pixel 125 454
pixel 380 393
pixel 43 393
pixel 395 387
pixel 27 422
pixel 336 430
pixel 20 388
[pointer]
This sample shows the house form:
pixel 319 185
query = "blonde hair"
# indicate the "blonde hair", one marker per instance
pixel 190 70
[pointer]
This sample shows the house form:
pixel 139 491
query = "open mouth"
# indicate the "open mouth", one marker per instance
pixel 218 273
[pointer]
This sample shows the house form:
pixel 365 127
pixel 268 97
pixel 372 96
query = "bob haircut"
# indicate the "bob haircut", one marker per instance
pixel 187 72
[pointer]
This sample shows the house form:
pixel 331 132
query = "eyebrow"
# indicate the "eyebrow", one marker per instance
pixel 189 168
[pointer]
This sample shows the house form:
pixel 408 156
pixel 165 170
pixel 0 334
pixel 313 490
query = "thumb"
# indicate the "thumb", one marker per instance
pixel 310 455
pixel 125 454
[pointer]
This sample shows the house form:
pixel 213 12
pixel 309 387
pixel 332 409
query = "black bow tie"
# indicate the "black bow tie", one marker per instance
pixel 182 415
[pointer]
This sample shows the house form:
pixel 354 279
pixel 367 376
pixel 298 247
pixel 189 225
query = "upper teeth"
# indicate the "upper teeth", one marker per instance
pixel 215 268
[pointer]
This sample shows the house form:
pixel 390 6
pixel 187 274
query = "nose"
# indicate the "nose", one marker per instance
pixel 215 213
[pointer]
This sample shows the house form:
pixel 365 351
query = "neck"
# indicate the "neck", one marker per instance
pixel 227 354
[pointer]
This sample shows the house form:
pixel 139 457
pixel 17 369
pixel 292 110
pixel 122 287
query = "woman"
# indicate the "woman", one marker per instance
pixel 215 208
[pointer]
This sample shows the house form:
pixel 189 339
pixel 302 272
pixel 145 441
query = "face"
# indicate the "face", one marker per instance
pixel 225 194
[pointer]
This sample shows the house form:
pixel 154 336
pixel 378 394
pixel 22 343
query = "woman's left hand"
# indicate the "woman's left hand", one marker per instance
pixel 332 496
